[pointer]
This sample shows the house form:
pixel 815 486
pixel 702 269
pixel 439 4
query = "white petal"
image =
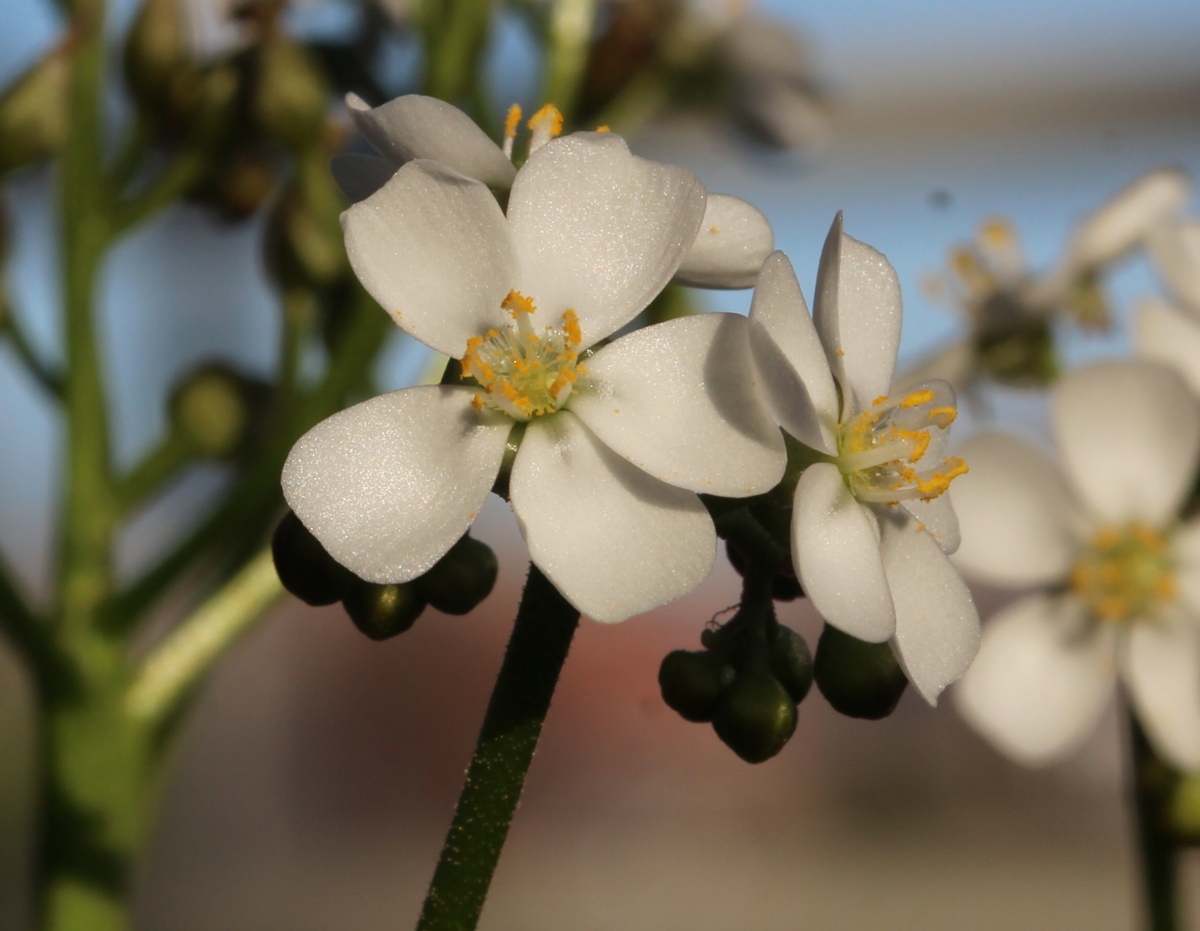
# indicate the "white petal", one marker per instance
pixel 1175 250
pixel 415 127
pixel 858 312
pixel 734 241
pixel 390 484
pixel 835 546
pixel 1017 519
pixel 1040 681
pixel 360 176
pixel 679 401
pixel 937 626
pixel 790 359
pixel 1126 219
pixel 1163 334
pixel 599 230
pixel 937 516
pixel 1161 667
pixel 1185 550
pixel 613 540
pixel 432 247
pixel 1129 433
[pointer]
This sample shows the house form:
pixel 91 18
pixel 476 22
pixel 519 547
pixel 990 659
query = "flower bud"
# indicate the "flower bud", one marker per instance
pixel 755 716
pixel 859 679
pixel 305 568
pixel 383 611
pixel 292 95
pixel 211 408
pixel 33 113
pixel 155 52
pixel 462 578
pixel 1022 356
pixel 1183 809
pixel 791 662
pixel 691 682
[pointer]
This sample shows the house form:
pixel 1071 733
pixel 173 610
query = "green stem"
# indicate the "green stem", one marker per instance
pixel 151 474
pixel 455 34
pixel 183 171
pixel 538 648
pixel 35 365
pixel 570 34
pixel 170 672
pixel 1152 780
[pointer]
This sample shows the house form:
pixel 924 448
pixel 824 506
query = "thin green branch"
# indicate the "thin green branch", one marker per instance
pixel 455 32
pixel 29 636
pixel 37 367
pixel 171 671
pixel 571 23
pixel 133 150
pixel 183 171
pixel 1157 849
pixel 152 474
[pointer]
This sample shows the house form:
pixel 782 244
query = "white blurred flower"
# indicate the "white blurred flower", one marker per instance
pixel 616 443
pixel 1169 331
pixel 1118 569
pixel 730 246
pixel 870 526
pixel 1010 310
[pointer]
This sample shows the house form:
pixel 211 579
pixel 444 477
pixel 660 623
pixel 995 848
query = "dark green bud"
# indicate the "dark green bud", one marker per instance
pixel 1018 350
pixel 33 113
pixel 462 578
pixel 383 611
pixel 692 682
pixel 292 95
pixel 211 409
pixel 155 52
pixel 305 568
pixel 755 716
pixel 859 679
pixel 1183 810
pixel 790 659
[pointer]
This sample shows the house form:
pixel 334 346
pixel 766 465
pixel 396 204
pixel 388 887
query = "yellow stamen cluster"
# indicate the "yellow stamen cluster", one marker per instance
pixel 521 373
pixel 881 449
pixel 1125 573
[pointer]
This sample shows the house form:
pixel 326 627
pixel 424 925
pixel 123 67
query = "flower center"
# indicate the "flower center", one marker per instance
pixel 1125 573
pixel 523 374
pixel 879 450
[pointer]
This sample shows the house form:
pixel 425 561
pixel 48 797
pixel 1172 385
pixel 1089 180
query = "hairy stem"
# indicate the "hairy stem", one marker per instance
pixel 1157 851
pixel 536 652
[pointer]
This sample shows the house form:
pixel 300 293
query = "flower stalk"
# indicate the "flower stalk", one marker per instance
pixel 1157 853
pixel 541 638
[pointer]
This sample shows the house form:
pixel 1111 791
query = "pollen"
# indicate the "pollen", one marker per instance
pixel 520 372
pixel 713 229
pixel 887 453
pixel 603 128
pixel 546 124
pixel 1125 574
pixel 511 123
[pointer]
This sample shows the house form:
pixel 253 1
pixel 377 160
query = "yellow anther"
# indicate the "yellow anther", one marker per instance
pixel 940 481
pixel 547 119
pixel 512 121
pixel 603 129
pixel 571 327
pixel 477 401
pixel 713 229
pixel 943 416
pixel 879 400
pixel 920 437
pixel 1125 573
pixel 997 231
pixel 517 303
pixel 917 398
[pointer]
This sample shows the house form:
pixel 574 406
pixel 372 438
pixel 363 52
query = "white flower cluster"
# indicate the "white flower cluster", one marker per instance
pixel 611 440
pixel 1109 540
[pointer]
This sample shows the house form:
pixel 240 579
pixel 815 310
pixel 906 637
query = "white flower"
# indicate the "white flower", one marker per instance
pixel 616 443
pixel 1120 572
pixel 730 245
pixel 869 517
pixel 1166 331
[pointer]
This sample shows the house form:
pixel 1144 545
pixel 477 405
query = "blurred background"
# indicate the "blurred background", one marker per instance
pixel 314 786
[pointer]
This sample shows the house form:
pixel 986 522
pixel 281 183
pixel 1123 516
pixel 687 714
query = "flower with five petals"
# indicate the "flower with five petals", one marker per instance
pixel 871 526
pixel 1118 569
pixel 617 437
